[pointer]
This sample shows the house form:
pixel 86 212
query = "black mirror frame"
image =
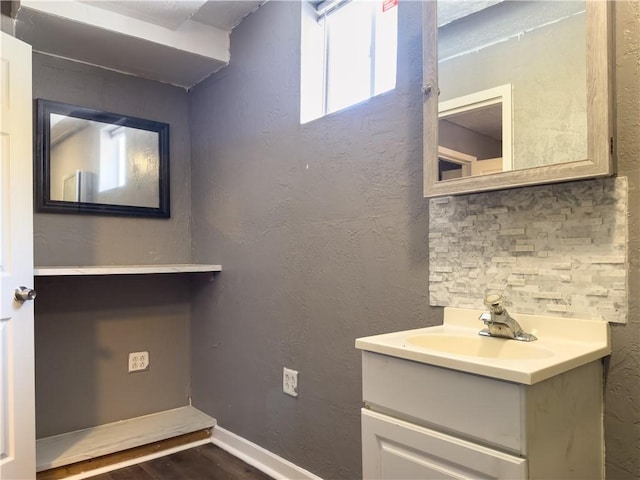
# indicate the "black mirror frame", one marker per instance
pixel 42 158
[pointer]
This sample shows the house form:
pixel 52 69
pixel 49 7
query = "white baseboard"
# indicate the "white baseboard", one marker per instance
pixel 258 457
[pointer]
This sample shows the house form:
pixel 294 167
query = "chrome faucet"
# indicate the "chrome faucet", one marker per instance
pixel 499 323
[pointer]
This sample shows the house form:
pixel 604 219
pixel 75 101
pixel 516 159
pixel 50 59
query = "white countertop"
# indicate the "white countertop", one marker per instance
pixel 563 344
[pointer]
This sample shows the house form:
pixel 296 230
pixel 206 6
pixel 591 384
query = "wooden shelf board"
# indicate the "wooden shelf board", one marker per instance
pixel 73 447
pixel 124 269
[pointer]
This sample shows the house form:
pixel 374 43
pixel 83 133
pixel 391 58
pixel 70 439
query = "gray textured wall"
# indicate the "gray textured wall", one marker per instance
pixel 622 394
pixel 6 23
pixel 94 240
pixel 85 327
pixel 322 231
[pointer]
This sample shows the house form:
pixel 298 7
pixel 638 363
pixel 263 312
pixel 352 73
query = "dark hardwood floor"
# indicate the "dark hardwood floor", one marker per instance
pixel 207 462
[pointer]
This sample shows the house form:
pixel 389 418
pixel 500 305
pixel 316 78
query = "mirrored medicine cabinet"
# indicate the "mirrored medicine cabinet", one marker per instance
pixel 516 93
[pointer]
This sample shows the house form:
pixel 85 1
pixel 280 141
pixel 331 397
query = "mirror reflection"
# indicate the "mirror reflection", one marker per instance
pixel 513 85
pixel 475 134
pixel 103 163
pixel 91 161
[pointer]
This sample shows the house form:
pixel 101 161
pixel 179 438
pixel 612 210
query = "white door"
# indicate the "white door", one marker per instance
pixel 17 392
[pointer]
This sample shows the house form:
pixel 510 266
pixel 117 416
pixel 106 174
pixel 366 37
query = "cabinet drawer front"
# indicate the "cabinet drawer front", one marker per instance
pixel 393 449
pixel 475 407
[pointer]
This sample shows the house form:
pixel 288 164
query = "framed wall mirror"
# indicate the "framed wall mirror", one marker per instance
pixel 524 93
pixel 94 162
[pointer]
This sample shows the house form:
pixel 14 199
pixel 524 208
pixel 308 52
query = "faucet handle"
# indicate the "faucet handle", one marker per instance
pixel 485 317
pixel 493 301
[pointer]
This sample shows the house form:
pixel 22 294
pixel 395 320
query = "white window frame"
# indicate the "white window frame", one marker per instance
pixel 315 59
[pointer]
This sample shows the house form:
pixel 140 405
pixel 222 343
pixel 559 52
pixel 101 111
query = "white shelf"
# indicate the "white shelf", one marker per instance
pixel 124 269
pixel 72 447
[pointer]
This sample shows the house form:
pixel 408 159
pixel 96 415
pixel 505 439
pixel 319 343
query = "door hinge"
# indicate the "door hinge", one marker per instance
pixel 611 145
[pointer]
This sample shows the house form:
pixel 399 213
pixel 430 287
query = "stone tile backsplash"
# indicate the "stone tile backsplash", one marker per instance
pixel 552 250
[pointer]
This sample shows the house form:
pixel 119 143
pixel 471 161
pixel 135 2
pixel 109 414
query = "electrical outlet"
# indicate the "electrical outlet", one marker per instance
pixel 138 361
pixel 290 382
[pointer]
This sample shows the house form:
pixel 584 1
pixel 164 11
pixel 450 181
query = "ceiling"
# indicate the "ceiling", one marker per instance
pixel 452 10
pixel 485 121
pixel 177 42
pixel 223 14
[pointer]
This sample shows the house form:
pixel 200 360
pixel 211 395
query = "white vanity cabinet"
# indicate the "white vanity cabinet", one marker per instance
pixel 426 422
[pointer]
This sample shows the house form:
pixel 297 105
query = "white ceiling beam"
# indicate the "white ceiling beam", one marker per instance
pixel 79 31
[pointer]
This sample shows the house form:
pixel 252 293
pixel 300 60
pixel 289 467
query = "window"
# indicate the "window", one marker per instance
pixel 349 51
pixel 113 158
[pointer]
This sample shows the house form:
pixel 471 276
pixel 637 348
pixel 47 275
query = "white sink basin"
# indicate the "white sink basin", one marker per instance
pixel 479 346
pixel 563 344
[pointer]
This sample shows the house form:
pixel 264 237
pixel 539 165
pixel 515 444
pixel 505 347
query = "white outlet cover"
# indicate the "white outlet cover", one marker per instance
pixel 290 382
pixel 138 361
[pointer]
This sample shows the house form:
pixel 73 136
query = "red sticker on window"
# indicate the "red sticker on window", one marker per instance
pixel 389 4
